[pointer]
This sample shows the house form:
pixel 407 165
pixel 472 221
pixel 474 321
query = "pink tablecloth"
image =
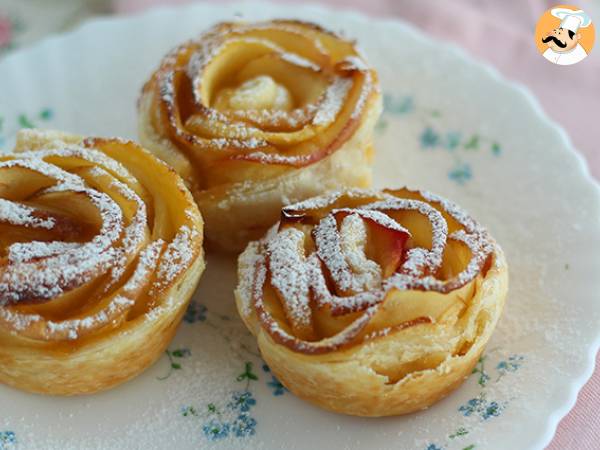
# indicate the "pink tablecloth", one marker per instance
pixel 501 34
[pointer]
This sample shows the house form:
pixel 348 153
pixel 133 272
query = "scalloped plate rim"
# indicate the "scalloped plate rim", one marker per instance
pixel 585 373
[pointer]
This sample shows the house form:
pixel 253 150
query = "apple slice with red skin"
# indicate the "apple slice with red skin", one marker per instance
pixel 385 245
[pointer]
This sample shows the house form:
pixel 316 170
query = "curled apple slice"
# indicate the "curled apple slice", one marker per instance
pixel 353 266
pixel 314 91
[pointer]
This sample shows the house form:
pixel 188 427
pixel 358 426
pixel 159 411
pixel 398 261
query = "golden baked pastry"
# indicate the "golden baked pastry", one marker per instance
pixel 372 303
pixel 100 251
pixel 255 116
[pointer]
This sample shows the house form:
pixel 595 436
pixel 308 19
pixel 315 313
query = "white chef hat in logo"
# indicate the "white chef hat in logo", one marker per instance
pixel 571 20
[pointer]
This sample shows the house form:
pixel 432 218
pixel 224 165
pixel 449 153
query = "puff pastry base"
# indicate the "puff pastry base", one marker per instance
pixel 361 307
pixel 109 324
pixel 347 382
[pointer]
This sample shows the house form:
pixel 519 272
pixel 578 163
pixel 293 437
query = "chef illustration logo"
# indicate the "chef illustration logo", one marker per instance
pixel 565 35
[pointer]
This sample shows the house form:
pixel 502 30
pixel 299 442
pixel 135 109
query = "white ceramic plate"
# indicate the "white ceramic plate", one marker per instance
pixel 451 126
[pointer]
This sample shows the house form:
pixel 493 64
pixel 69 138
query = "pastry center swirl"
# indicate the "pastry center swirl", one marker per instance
pixel 281 94
pixel 258 93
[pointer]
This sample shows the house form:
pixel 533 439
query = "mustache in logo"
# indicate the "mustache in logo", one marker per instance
pixel 556 41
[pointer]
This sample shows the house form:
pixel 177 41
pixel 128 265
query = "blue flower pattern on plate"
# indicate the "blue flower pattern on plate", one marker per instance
pixel 461 173
pixel 433 447
pixel 215 429
pixel 278 388
pixel 234 419
pixel 8 440
pixel 196 312
pixel 275 384
pixel 482 407
pixel 432 138
pixel 511 365
pixel 242 400
pixel 244 426
pixel 429 138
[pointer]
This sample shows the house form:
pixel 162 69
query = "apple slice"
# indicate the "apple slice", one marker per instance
pixel 386 239
pixel 311 211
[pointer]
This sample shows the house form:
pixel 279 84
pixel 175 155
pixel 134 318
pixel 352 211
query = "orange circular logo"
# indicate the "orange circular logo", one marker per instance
pixel 565 35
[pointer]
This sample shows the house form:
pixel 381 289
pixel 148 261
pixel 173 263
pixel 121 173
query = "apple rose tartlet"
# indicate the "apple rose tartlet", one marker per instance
pixel 100 251
pixel 372 303
pixel 255 116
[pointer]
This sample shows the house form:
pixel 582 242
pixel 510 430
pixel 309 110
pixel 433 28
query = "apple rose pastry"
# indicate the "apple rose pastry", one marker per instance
pixel 372 303
pixel 100 251
pixel 255 116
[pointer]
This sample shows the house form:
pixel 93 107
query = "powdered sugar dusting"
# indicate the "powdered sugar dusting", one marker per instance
pixel 49 278
pixel 249 262
pixel 289 276
pixel 340 275
pixel 356 63
pixel 333 101
pixel 121 302
pixel 41 271
pixel 329 249
pixel 353 241
pixel 26 251
pixel 177 256
pixel 18 214
pixel 439 230
pixel 299 61
pixel 378 217
pixel 88 155
pixel 252 133
pixel 329 199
